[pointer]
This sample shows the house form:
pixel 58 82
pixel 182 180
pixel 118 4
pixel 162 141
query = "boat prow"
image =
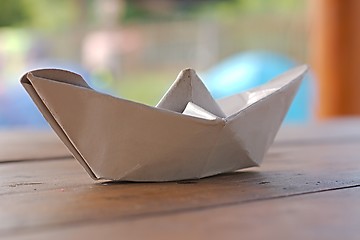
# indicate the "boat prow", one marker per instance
pixel 187 135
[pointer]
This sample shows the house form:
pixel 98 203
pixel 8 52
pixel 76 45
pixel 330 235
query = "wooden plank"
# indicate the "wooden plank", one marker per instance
pixel 19 145
pixel 341 130
pixel 67 197
pixel 23 177
pixel 326 215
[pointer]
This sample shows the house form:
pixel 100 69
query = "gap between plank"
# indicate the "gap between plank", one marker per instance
pixel 38 159
pixel 319 141
pixel 228 204
pixel 129 218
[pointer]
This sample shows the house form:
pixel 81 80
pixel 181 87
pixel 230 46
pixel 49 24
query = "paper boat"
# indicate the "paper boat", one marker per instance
pixel 188 135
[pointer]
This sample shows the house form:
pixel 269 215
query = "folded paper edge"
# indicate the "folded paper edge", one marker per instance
pixel 46 110
pixel 58 129
pixel 188 87
pixel 302 70
pixel 293 83
pixel 54 124
pixel 194 110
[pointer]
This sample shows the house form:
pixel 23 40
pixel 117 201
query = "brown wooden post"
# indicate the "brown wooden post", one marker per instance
pixel 335 55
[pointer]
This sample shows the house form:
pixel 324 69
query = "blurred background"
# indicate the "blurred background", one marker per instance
pixel 135 49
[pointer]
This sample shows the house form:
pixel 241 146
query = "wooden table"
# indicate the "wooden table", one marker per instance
pixel 307 188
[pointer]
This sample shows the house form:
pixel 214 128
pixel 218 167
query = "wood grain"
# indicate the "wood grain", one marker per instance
pixel 20 145
pixel 340 130
pixel 307 187
pixel 326 215
pixel 63 196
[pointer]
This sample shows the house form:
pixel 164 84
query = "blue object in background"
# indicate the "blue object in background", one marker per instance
pixel 16 107
pixel 250 69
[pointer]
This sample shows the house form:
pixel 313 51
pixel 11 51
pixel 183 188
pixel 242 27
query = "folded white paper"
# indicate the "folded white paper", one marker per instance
pixel 188 135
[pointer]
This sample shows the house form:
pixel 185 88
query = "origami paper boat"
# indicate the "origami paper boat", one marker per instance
pixel 188 135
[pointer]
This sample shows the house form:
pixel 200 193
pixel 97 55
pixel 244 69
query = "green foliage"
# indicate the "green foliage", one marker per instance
pixel 44 14
pixel 58 14
pixel 134 12
pixel 13 13
pixel 50 14
pixel 226 9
